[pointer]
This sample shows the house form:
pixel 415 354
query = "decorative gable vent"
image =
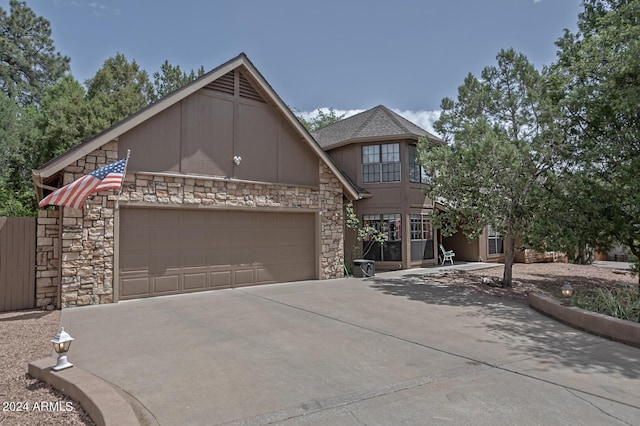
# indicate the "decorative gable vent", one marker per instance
pixel 224 84
pixel 248 91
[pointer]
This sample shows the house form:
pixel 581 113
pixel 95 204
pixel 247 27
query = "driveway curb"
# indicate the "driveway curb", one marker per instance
pixel 100 400
pixel 626 332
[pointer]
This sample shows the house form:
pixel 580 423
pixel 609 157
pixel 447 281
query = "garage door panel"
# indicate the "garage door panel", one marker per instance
pixel 193 258
pixel 221 279
pixel 167 284
pixel 131 260
pixel 244 275
pixel 162 262
pixel 135 287
pixel 165 238
pixel 194 281
pixel 173 250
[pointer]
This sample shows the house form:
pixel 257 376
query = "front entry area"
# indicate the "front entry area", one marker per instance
pixel 172 251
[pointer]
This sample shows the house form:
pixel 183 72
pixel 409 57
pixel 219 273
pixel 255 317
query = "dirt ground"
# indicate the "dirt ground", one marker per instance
pixel 546 278
pixel 26 336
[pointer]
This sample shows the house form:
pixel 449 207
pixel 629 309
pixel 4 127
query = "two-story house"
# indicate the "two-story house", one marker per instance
pixel 377 150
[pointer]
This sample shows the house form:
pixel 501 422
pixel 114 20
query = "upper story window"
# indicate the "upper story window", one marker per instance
pixel 381 163
pixel 417 173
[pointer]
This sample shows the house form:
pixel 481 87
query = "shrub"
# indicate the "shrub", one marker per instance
pixel 623 302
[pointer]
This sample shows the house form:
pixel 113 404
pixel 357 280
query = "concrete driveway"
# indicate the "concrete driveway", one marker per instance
pixel 384 351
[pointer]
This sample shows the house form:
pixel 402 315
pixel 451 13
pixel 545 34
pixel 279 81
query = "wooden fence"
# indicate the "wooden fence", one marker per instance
pixel 17 263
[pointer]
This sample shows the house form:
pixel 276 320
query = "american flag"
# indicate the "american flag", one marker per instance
pixel 76 193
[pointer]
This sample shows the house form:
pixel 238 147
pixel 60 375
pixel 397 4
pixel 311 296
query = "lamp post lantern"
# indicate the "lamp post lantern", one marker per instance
pixel 61 344
pixel 567 292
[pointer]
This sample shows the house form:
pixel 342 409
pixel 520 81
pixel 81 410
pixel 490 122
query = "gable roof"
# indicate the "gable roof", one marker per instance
pixel 241 61
pixel 374 124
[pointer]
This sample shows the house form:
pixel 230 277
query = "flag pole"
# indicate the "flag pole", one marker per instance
pixel 126 163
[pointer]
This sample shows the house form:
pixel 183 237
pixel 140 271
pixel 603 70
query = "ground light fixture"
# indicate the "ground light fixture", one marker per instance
pixel 567 292
pixel 61 344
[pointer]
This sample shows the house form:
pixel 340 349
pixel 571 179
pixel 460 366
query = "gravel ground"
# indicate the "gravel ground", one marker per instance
pixel 26 337
pixel 546 278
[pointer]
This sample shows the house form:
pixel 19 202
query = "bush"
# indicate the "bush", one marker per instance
pixel 622 303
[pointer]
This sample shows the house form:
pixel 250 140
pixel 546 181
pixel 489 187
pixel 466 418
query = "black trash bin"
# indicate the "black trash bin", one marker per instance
pixel 363 268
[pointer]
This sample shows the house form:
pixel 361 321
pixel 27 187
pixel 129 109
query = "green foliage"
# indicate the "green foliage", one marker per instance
pixel 321 120
pixel 171 78
pixel 44 111
pixel 119 89
pixel 363 233
pixel 622 303
pixel 503 144
pixel 18 154
pixel 28 59
pixel 599 66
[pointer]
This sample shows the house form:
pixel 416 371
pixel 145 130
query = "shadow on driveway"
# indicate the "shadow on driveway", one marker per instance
pixel 553 344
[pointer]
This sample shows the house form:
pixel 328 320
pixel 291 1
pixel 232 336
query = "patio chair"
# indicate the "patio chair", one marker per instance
pixel 446 255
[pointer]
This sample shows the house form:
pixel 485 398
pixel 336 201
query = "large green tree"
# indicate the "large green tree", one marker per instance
pixel 600 67
pixel 502 146
pixel 171 78
pixel 119 89
pixel 18 154
pixel 29 61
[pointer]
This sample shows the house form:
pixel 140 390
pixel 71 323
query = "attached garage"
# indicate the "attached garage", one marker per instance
pixel 171 251
pixel 223 188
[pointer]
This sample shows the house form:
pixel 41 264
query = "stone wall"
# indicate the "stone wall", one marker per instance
pixel 87 245
pixel 47 258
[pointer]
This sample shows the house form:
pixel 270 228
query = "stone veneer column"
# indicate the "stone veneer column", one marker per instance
pixel 47 258
pixel 88 238
pixel 330 197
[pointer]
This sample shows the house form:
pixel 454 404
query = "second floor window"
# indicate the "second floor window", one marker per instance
pixel 417 173
pixel 381 163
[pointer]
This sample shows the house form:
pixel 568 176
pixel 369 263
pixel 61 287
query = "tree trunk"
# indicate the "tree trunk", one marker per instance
pixel 509 254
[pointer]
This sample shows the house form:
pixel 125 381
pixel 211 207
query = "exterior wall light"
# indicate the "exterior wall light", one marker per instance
pixel 237 159
pixel 567 292
pixel 61 344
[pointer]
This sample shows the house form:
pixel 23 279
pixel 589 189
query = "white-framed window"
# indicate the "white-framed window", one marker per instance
pixel 417 173
pixel 495 241
pixel 381 163
pixel 391 226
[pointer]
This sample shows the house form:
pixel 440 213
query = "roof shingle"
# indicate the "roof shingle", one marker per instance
pixel 375 123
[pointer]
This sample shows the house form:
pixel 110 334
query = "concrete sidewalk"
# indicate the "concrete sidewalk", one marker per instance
pixel 381 351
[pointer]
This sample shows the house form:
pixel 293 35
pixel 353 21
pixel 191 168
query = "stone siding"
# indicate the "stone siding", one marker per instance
pixel 87 246
pixel 47 258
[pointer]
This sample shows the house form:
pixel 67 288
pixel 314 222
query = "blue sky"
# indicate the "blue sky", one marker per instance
pixel 347 54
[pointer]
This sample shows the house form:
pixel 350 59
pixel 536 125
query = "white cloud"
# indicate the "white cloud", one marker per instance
pixel 424 119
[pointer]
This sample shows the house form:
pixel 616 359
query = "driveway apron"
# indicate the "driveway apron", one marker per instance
pixel 379 351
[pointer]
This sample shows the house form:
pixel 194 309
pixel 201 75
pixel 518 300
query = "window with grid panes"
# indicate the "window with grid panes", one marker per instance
pixel 391 226
pixel 495 241
pixel 381 163
pixel 417 173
